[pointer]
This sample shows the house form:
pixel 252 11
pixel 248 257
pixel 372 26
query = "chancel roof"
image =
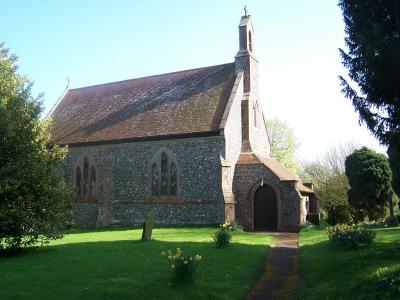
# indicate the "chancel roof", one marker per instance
pixel 179 103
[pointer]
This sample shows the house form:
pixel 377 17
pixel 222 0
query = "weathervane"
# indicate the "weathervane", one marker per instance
pixel 68 82
pixel 245 11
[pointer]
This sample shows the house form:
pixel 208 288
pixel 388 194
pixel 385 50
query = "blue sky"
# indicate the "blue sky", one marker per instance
pixel 96 42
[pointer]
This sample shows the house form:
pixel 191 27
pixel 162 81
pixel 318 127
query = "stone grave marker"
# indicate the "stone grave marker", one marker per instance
pixel 148 227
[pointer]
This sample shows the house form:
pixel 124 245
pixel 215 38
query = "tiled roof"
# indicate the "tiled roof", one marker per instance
pixel 185 102
pixel 272 164
pixel 304 189
pixel 280 171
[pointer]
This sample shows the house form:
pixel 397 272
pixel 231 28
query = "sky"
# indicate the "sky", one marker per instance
pixel 94 42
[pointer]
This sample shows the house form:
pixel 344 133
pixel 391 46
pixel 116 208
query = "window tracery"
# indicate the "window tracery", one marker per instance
pixel 164 176
pixel 85 177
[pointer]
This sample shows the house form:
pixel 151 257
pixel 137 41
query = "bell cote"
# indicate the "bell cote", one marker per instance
pixel 246 45
pixel 245 60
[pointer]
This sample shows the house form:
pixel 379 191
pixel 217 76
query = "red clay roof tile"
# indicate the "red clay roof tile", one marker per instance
pixel 184 102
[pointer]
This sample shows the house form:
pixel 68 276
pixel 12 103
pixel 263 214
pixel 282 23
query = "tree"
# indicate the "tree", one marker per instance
pixel 373 62
pixel 34 199
pixel 369 177
pixel 330 183
pixel 283 143
pixel 394 160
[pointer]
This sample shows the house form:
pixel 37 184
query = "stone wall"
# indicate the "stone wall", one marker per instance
pixel 258 133
pixel 232 126
pixel 169 214
pixel 233 122
pixel 85 214
pixel 246 181
pixel 128 200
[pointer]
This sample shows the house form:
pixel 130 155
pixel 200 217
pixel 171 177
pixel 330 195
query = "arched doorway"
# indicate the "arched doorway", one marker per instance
pixel 265 209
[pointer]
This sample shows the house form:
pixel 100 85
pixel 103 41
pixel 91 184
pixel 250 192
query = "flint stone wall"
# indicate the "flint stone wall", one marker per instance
pixel 246 180
pixel 199 199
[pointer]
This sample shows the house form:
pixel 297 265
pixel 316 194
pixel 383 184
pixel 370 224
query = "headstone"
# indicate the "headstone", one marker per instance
pixel 148 227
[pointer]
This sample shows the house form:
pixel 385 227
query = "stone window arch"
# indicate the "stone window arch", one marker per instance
pixel 86 178
pixel 163 175
pixel 78 179
pixel 154 180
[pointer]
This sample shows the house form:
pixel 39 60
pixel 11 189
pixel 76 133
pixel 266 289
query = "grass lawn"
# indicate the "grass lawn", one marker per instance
pixel 329 272
pixel 115 264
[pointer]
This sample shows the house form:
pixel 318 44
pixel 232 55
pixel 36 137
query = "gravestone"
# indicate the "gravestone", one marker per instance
pixel 148 227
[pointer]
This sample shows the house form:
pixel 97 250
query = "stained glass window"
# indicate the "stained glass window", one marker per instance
pixel 172 180
pixel 85 176
pixel 92 181
pixel 154 180
pixel 164 174
pixel 78 180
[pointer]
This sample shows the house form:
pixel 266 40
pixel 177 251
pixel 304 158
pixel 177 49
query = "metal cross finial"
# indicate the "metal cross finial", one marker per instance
pixel 245 11
pixel 68 81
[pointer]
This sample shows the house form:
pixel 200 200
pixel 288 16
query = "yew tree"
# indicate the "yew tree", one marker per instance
pixel 369 178
pixel 372 58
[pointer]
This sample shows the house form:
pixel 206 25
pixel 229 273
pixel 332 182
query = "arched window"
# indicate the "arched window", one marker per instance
pixel 92 181
pixel 255 111
pixel 250 43
pixel 85 177
pixel 172 179
pixel 78 181
pixel 154 180
pixel 164 176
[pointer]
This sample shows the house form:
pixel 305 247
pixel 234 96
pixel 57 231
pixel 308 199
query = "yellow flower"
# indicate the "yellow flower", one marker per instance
pixel 197 257
pixel 169 257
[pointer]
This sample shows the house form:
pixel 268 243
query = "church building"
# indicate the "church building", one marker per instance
pixel 190 146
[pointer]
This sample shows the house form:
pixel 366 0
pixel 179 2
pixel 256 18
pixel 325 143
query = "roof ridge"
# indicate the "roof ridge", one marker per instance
pixel 150 76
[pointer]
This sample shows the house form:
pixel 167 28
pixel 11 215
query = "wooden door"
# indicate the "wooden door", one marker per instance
pixel 265 209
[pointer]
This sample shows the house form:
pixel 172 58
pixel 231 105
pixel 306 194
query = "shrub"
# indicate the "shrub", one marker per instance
pixel 388 280
pixel 223 236
pixel 373 224
pixel 351 237
pixel 235 225
pixel 307 225
pixel 183 266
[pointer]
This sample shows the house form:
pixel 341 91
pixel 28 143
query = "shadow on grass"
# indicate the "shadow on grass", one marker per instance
pixel 129 269
pixel 136 227
pixel 329 271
